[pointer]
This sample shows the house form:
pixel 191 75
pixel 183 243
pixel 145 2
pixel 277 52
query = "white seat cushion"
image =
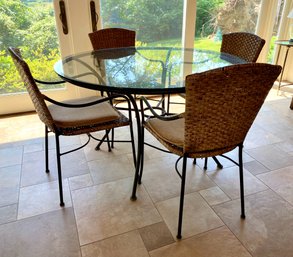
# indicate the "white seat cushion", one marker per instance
pixel 83 116
pixel 170 131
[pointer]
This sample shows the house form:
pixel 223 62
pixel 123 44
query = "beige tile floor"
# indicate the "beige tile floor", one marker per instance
pixel 100 220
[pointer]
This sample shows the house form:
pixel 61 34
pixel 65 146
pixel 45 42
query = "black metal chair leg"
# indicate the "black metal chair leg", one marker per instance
pixel 47 149
pixel 136 175
pixel 108 140
pixel 241 182
pixel 58 155
pixel 141 156
pixel 101 142
pixel 181 204
pixel 194 161
pixel 139 164
pixel 168 103
pixel 106 136
pixel 112 138
pixel 219 165
pixel 132 144
pixel 205 163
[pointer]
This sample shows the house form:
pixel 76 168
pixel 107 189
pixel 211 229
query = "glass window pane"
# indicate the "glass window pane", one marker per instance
pixel 30 26
pixel 279 12
pixel 217 17
pixel 155 22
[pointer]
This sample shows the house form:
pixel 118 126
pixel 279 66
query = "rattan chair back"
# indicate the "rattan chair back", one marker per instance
pixel 222 104
pixel 72 117
pixel 32 88
pixel 112 38
pixel 242 44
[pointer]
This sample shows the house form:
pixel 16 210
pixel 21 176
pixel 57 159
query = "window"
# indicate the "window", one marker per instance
pixel 217 17
pixel 29 25
pixel 155 22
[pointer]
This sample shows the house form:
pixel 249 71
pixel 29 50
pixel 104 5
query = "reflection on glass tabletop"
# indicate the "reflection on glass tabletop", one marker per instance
pixel 147 70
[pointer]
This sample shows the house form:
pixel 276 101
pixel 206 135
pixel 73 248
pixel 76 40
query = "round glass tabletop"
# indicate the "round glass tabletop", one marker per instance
pixel 139 70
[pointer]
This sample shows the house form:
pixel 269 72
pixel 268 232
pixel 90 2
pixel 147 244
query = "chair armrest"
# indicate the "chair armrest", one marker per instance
pixel 143 100
pixel 101 100
pixel 61 81
pixel 49 82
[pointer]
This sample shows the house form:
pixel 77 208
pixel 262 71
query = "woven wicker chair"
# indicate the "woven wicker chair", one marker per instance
pixel 112 38
pixel 73 117
pixel 242 44
pixel 221 106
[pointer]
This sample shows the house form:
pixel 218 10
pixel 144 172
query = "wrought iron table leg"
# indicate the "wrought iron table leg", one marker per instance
pixel 139 147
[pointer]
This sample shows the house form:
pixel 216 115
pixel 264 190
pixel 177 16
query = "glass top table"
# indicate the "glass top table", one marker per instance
pixel 139 70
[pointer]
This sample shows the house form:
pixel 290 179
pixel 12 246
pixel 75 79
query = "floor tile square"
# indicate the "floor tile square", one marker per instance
pixel 49 235
pixel 198 217
pixel 81 181
pixel 156 235
pixel 281 181
pixel 267 228
pixel 125 245
pixel 228 180
pixel 33 169
pixel 9 184
pixel 42 198
pixel 271 157
pixel 110 169
pixel 258 136
pixel 214 195
pixel 11 156
pixel 215 243
pixel 255 167
pixel 106 210
pixel 162 182
pixel 8 213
